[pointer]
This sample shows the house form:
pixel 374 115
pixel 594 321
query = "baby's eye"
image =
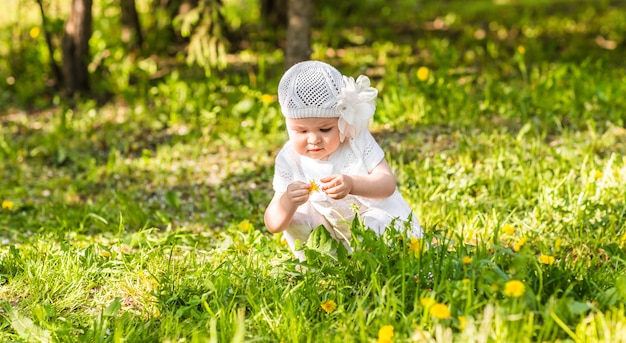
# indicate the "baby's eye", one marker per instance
pixel 326 129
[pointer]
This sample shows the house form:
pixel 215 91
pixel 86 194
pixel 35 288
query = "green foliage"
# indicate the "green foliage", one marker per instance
pixel 204 25
pixel 140 218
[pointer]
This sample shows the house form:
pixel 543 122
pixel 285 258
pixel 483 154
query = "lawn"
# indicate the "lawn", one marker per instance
pixel 140 219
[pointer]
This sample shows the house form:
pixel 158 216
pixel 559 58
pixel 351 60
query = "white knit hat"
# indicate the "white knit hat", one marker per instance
pixel 310 89
pixel 314 89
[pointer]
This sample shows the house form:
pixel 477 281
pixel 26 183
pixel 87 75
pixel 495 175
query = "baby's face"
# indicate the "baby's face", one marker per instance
pixel 316 138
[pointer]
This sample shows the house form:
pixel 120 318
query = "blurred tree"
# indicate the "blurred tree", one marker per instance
pixel 274 13
pixel 300 14
pixel 197 27
pixel 175 9
pixel 131 27
pixel 56 71
pixel 75 46
pixel 206 29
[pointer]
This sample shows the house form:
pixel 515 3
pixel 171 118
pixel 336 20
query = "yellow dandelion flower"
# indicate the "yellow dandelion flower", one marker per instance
pixel 466 260
pixel 466 281
pixel 385 334
pixel 514 288
pixel 597 175
pixel 34 32
pixel 7 205
pixel 416 246
pixel 329 306
pixel 508 229
pixel 245 225
pixel 267 99
pixel 427 302
pixel 313 186
pixel 546 259
pixel 440 311
pixel 518 246
pixel 462 322
pixel 521 49
pixel 423 73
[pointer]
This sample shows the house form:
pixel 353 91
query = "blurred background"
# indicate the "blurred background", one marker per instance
pixel 122 49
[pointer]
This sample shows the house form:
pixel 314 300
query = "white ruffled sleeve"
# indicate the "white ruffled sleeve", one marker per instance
pixel 371 152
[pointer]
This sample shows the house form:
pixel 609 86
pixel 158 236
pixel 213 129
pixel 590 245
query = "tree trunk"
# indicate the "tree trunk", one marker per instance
pixel 274 13
pixel 56 71
pixel 75 47
pixel 300 14
pixel 131 28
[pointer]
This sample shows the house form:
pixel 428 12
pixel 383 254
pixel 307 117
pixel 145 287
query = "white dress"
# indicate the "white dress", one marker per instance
pixel 355 156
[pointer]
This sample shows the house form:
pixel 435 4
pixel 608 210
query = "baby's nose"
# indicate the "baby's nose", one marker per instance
pixel 313 138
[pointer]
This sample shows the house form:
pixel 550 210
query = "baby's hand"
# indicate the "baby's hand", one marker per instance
pixel 298 193
pixel 337 186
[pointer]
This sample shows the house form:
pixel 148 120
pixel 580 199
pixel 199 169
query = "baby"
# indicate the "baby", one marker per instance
pixel 331 169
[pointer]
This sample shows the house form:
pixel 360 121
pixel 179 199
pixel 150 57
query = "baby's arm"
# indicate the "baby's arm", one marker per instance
pixel 379 183
pixel 283 206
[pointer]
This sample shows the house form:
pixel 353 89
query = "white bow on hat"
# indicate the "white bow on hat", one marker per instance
pixel 356 104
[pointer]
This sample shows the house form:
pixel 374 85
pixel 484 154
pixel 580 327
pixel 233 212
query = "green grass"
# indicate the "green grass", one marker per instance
pixel 141 219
